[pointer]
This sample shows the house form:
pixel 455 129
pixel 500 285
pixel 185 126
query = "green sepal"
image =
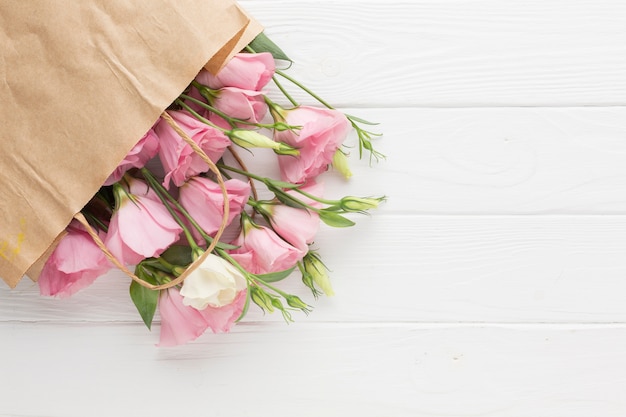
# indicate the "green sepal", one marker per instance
pixel 334 219
pixel 288 200
pixel 275 276
pixel 334 208
pixel 145 300
pixel 264 44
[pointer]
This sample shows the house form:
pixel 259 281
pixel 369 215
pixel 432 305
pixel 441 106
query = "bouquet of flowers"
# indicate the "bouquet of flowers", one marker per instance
pixel 201 235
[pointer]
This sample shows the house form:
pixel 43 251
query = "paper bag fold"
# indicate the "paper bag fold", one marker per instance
pixel 81 83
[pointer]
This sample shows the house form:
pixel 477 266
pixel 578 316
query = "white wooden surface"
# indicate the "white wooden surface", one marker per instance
pixel 493 282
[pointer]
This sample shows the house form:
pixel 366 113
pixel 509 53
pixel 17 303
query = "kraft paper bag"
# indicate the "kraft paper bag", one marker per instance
pixel 81 82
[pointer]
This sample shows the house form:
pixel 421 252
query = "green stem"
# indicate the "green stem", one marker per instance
pixel 204 88
pixel 284 91
pixel 316 198
pixel 214 110
pixel 364 139
pixel 161 192
pixel 305 89
pixel 198 116
pixel 271 287
pixel 276 189
pixel 242 172
pixel 166 264
pixel 234 263
pixel 154 183
pixel 95 220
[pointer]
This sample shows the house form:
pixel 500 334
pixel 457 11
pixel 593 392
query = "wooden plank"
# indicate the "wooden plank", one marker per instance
pixel 403 268
pixel 310 370
pixel 494 161
pixel 455 52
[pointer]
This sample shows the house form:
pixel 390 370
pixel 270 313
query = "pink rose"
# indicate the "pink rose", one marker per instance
pixel 181 324
pixel 142 152
pixel 322 132
pixel 203 199
pixel 240 104
pixel 74 264
pixel 140 227
pixel 244 70
pixel 179 160
pixel 262 251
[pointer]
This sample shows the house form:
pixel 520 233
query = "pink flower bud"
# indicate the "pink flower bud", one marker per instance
pixel 240 104
pixel 297 226
pixel 244 70
pixel 262 251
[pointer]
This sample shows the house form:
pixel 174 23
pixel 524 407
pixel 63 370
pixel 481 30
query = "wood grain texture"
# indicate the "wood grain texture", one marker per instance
pixel 311 370
pixel 489 161
pixel 496 161
pixel 401 268
pixel 454 52
pixel 490 284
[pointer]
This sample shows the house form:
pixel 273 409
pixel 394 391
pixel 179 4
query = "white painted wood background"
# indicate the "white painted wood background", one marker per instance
pixel 493 282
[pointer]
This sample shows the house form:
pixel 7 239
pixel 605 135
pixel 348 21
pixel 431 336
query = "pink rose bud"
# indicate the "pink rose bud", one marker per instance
pixel 240 104
pixel 262 251
pixel 297 226
pixel 244 70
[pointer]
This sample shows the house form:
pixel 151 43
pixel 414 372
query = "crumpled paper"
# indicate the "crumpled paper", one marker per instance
pixel 81 82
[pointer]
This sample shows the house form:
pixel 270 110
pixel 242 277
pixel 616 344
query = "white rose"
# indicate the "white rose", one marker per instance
pixel 214 283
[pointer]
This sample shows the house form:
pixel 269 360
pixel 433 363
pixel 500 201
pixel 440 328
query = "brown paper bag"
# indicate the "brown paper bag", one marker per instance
pixel 80 83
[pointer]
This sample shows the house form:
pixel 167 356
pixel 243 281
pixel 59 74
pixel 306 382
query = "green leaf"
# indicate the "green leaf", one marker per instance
pixel 334 219
pixel 264 44
pixel 359 120
pixel 283 184
pixel 178 255
pixel 275 276
pixel 145 300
